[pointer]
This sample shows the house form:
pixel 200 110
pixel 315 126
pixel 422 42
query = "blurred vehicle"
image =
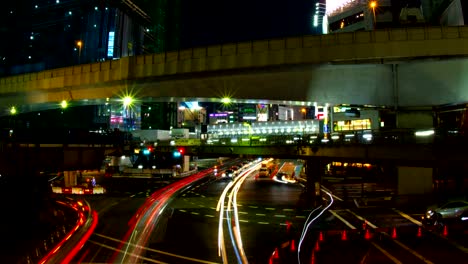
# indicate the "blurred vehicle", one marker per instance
pixel 228 174
pixel 449 211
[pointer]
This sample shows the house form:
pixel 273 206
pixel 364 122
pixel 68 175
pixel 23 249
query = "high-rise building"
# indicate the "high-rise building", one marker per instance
pixel 355 15
pixel 45 34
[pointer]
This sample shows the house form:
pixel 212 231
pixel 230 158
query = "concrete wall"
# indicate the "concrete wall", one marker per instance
pixel 414 180
pixel 433 82
pixel 415 119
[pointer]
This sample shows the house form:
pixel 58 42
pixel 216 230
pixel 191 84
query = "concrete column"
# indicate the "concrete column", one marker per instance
pixel 414 180
pixel 70 178
pixel 186 164
pixel 314 169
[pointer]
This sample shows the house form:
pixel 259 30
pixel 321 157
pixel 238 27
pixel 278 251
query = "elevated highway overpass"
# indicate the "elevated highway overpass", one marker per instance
pixel 392 67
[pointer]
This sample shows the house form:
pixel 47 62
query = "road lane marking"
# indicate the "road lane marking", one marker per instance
pixel 416 254
pixel 264 223
pixel 194 213
pixel 361 218
pixel 300 216
pixel 133 195
pixel 411 219
pixel 288 210
pixel 269 208
pixel 260 214
pixel 243 212
pixel 342 219
pixel 279 215
pixel 209 215
pixel 133 255
pixel 412 251
pixel 182 210
pixel 251 206
pixel 153 250
pixel 386 253
pixel 245 221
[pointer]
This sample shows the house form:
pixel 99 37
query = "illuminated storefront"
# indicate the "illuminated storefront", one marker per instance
pixel 351 125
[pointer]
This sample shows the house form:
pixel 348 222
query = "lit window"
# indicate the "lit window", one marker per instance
pixel 96 8
pixel 32 37
pixel 36 6
pixel 70 12
pixel 95 25
pixel 57 1
pixel 29 57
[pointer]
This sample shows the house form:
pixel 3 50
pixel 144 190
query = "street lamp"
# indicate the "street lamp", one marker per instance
pixel 79 43
pixel 373 5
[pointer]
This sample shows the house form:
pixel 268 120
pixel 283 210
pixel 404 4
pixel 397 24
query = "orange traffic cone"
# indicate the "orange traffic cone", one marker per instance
pixel 293 246
pixel 394 234
pixel 419 232
pixel 367 235
pixel 344 236
pixel 320 236
pixel 445 233
pixel 276 254
pixel 317 246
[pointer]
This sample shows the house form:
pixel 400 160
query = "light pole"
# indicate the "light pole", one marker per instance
pixel 79 44
pixel 373 5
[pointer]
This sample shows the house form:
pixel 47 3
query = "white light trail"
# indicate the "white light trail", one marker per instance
pixel 306 227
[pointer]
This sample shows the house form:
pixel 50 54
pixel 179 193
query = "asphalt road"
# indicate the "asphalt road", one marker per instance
pixel 271 217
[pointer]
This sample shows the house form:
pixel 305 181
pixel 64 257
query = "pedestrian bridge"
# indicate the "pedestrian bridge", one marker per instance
pixel 401 66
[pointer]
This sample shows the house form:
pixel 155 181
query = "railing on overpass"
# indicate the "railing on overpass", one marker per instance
pixel 352 47
pixel 363 137
pixel 64 136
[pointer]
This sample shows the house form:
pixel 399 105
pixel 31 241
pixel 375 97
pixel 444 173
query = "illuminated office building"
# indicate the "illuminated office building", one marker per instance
pixel 46 34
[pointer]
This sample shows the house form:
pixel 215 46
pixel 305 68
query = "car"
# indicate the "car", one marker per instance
pixel 452 210
pixel 227 174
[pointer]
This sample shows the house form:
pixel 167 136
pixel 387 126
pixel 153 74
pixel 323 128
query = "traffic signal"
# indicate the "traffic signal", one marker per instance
pixel 181 150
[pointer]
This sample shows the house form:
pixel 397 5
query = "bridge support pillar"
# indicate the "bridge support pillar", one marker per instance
pixel 186 164
pixel 314 169
pixel 70 178
pixel 414 180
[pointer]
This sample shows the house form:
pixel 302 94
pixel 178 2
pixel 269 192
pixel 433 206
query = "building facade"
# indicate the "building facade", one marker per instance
pixel 46 34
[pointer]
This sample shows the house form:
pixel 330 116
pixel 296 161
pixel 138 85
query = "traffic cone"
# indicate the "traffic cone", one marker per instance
pixel 394 234
pixel 293 246
pixel 445 233
pixel 312 258
pixel 419 232
pixel 321 236
pixel 367 235
pixel 317 246
pixel 344 236
pixel 276 254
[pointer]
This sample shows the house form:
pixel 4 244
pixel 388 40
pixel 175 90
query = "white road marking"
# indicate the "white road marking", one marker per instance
pixel 386 253
pixel 416 254
pixel 342 219
pixel 361 218
pixel 153 250
pixel 411 219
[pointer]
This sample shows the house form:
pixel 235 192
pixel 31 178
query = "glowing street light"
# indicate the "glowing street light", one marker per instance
pixel 13 110
pixel 127 101
pixel 226 100
pixel 64 104
pixel 79 43
pixel 373 5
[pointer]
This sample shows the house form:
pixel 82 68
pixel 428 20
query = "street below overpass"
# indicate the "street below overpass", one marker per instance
pixel 271 220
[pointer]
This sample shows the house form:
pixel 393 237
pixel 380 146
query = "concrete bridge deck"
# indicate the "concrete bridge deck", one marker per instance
pixel 396 67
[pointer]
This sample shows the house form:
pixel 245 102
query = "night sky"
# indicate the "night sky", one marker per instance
pixel 206 22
